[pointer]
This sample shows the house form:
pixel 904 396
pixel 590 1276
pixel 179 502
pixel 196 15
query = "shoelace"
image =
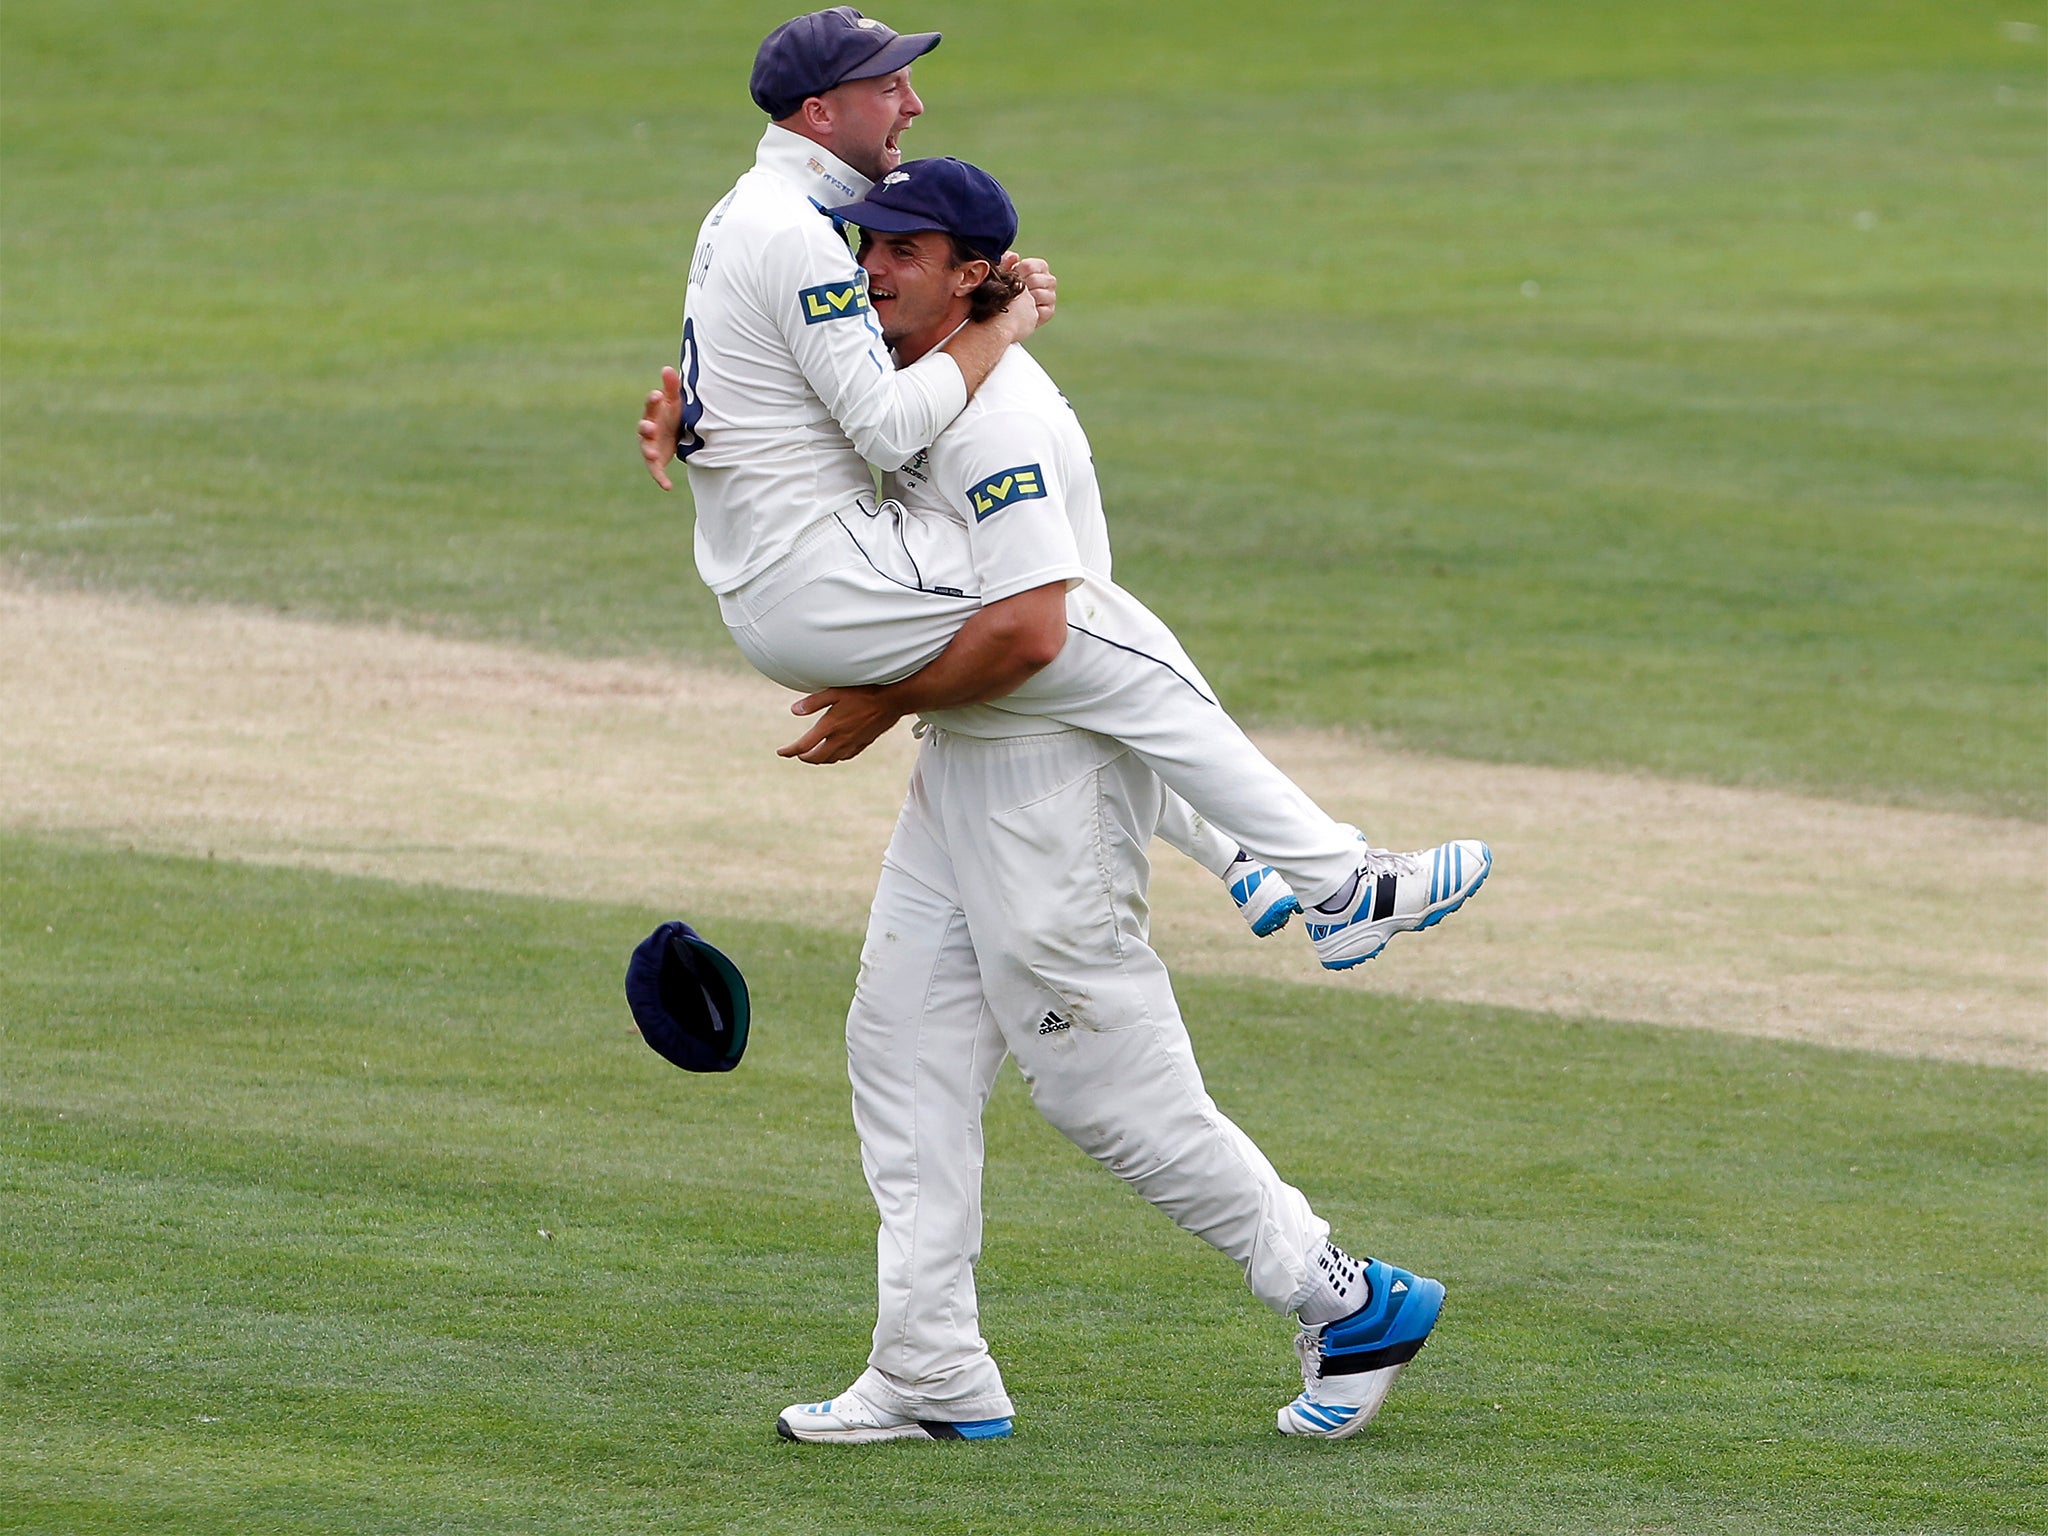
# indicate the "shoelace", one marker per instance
pixel 1384 861
pixel 1308 1346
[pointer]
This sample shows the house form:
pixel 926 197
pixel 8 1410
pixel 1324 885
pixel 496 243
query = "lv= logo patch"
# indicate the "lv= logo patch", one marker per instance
pixel 832 301
pixel 1004 489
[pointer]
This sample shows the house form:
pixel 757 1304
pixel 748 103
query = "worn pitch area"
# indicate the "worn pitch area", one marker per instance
pixel 380 752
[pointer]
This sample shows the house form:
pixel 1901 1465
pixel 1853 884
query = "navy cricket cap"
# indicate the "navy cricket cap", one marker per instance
pixel 689 1000
pixel 806 57
pixel 945 194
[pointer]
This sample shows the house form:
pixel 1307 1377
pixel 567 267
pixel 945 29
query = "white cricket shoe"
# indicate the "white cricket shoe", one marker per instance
pixel 850 1419
pixel 1349 1366
pixel 1263 898
pixel 1397 893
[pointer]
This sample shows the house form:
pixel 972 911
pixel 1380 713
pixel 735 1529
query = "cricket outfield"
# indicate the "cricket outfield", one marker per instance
pixel 1607 430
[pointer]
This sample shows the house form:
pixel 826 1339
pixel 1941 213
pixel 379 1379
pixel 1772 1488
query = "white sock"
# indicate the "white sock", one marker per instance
pixel 1340 1286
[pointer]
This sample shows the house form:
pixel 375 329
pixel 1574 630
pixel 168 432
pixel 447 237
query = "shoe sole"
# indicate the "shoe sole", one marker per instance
pixel 1430 917
pixel 917 1429
pixel 1275 917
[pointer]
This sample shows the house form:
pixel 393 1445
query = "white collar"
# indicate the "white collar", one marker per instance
pixel 810 167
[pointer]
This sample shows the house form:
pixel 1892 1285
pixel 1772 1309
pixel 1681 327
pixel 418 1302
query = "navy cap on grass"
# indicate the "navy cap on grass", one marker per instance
pixel 807 56
pixel 689 1000
pixel 945 194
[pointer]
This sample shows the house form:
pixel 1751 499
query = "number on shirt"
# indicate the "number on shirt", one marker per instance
pixel 687 440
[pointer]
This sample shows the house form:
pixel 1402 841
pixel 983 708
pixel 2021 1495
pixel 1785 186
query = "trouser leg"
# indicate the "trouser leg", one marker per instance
pixel 922 1053
pixel 1047 839
pixel 1123 675
pixel 1183 827
pixel 1133 1099
pixel 848 626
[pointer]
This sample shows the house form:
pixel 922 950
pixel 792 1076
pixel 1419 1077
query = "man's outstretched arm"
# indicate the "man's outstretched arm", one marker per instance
pixel 995 653
pixel 975 352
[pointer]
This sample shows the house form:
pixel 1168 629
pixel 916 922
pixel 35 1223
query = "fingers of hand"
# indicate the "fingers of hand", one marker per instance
pixel 1023 313
pixel 807 744
pixel 656 452
pixel 1043 288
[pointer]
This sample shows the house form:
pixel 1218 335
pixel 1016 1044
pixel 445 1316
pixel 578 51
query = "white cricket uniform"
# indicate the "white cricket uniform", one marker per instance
pixel 1011 920
pixel 788 393
pixel 788 390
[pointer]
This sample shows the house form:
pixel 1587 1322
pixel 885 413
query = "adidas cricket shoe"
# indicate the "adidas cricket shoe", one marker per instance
pixel 1397 893
pixel 850 1419
pixel 1263 898
pixel 1349 1366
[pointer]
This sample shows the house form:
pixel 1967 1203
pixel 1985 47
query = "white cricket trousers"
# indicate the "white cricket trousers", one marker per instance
pixel 847 607
pixel 1011 920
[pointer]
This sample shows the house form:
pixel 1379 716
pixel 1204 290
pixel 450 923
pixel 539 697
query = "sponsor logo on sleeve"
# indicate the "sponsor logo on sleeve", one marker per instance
pixel 833 301
pixel 1005 489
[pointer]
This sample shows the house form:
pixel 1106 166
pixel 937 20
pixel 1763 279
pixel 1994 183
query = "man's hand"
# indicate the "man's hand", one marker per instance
pixel 853 720
pixel 1034 306
pixel 659 426
pixel 996 651
pixel 1038 282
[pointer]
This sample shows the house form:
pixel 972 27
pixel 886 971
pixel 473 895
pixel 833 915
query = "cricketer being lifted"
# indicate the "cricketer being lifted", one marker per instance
pixel 1010 922
pixel 786 385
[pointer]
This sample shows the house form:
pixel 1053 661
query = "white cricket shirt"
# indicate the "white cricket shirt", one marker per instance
pixel 788 390
pixel 1015 468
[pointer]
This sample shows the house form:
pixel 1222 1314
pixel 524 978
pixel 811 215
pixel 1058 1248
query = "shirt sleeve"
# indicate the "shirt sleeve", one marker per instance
pixel 1006 477
pixel 888 413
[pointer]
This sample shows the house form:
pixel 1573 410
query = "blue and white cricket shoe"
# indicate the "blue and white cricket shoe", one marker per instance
pixel 850 1419
pixel 1349 1366
pixel 1263 898
pixel 1397 893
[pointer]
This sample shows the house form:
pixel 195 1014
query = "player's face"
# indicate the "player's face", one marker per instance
pixel 868 117
pixel 916 291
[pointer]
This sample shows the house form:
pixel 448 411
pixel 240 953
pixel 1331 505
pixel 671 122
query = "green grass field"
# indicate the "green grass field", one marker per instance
pixel 1561 382
pixel 1591 384
pixel 280 1150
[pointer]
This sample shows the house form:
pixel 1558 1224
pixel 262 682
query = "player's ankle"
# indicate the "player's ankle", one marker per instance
pixel 1338 1287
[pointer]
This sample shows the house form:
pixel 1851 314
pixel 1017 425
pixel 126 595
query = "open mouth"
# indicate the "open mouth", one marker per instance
pixel 880 295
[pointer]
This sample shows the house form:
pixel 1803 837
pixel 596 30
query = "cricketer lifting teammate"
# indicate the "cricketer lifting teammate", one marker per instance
pixel 786 392
pixel 1011 915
